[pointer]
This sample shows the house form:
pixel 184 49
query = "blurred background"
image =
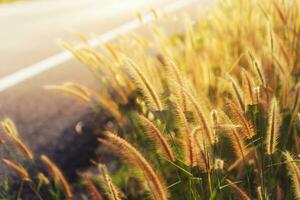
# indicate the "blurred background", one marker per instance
pixel 31 57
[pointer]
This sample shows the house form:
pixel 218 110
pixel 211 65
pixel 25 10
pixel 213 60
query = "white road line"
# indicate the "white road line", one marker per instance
pixel 55 60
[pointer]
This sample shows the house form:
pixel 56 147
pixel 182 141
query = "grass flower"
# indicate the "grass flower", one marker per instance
pixel 120 146
pixel 57 176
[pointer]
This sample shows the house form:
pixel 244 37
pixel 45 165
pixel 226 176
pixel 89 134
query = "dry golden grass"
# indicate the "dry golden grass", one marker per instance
pixel 129 153
pixel 219 101
pixel 18 169
pixel 58 176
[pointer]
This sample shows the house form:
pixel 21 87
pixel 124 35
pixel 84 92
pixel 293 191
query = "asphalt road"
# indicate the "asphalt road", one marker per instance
pixel 29 32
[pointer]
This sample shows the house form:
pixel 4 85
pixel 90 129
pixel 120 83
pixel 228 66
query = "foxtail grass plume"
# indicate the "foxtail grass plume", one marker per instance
pixel 258 69
pixel 237 117
pixel 80 94
pixel 157 136
pixel 186 136
pixel 237 93
pixel 11 131
pixel 202 154
pixel 23 147
pixel 176 76
pixel 112 191
pixel 240 193
pixel 236 137
pixel 85 55
pixel 108 104
pixel 43 180
pixel 93 191
pixel 259 193
pixel 9 127
pixel 238 143
pixel 219 164
pixel 274 122
pixel 215 124
pixel 145 85
pixel 87 95
pixel 201 117
pixel 58 176
pixel 294 172
pixel 248 85
pixel 121 147
pixel 18 169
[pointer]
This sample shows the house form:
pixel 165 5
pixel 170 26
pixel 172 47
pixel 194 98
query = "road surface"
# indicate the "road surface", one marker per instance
pixel 29 33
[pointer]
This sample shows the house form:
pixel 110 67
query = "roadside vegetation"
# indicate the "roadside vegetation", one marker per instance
pixel 209 113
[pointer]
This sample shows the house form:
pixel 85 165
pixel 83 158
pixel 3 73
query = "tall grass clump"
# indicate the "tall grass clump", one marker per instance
pixel 209 113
